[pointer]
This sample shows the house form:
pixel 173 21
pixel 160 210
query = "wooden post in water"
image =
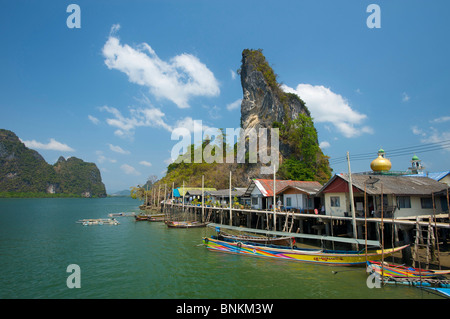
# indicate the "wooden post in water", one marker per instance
pixel 173 189
pixel 146 197
pixel 159 196
pixel 382 236
pixel 436 237
pixel 448 206
pixel 165 196
pixel 274 201
pixel 203 199
pixel 231 204
pixel 183 197
pixel 352 203
pixel 365 219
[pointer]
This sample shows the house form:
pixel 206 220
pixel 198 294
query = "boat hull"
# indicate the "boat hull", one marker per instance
pixel 318 256
pixel 184 224
pixel 397 271
pixel 279 241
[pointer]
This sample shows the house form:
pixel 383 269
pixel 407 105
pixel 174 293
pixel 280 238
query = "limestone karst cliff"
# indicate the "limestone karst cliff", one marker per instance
pixel 24 171
pixel 264 105
pixel 264 102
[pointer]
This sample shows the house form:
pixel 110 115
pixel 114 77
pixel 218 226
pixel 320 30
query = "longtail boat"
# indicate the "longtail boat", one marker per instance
pixel 280 241
pixel 185 224
pixel 319 256
pixel 399 271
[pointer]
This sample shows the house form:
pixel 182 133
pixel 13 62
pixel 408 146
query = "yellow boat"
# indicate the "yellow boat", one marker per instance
pixel 320 256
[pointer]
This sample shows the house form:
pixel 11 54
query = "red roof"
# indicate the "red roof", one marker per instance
pixel 265 186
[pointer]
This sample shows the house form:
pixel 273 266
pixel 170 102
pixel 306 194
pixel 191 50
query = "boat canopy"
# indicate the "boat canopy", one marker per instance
pixel 297 235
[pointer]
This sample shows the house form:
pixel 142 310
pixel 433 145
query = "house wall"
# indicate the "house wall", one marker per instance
pixel 336 211
pixel 446 180
pixel 296 200
pixel 416 208
pixel 256 194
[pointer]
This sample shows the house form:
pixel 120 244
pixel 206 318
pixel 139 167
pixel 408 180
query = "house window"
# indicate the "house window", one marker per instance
pixel 288 201
pixel 426 202
pixel 255 201
pixel 335 201
pixel 404 202
pixel 308 203
pixel 444 203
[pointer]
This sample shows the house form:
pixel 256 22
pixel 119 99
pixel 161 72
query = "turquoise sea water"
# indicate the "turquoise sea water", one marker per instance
pixel 39 238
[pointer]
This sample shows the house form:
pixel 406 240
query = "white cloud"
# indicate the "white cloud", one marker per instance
pixel 93 119
pixel 191 125
pixel 329 107
pixel 441 119
pixel 53 145
pixel 433 135
pixel 417 131
pixel 102 158
pixel 213 112
pixel 234 105
pixel 177 80
pixel 233 75
pixel 118 149
pixel 139 117
pixel 324 144
pixel 169 161
pixel 405 97
pixel 129 170
pixel 145 163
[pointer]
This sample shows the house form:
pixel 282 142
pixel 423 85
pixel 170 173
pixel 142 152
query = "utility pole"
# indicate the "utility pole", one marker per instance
pixel 352 202
pixel 274 201
pixel 203 199
pixel 231 204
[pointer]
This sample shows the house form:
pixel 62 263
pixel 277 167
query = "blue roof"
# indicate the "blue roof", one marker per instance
pixel 437 176
pixel 176 193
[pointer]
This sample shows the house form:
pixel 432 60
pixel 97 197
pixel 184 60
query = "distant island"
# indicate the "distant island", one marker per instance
pixel 25 173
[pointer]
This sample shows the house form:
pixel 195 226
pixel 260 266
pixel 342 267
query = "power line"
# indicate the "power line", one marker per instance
pixel 430 147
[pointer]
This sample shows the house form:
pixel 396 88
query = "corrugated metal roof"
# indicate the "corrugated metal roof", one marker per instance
pixel 180 191
pixel 226 192
pixel 396 185
pixel 265 186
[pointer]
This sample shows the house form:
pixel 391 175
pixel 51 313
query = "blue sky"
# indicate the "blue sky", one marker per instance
pixel 112 91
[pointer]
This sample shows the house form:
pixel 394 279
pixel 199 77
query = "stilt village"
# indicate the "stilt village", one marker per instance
pixel 404 216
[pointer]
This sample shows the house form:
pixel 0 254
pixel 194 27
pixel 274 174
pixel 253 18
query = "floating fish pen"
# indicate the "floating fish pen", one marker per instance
pixel 100 221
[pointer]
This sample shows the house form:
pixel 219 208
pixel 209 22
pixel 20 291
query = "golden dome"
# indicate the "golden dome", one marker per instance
pixel 380 164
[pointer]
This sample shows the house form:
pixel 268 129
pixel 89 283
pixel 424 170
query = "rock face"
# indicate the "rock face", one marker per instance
pixel 266 105
pixel 23 170
pixel 263 101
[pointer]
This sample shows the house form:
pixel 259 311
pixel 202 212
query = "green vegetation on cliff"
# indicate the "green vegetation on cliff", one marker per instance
pixel 25 173
pixel 306 162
